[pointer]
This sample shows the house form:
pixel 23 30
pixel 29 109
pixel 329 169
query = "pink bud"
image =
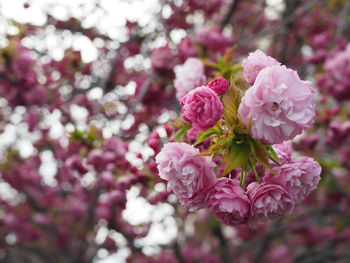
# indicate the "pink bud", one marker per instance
pixel 219 85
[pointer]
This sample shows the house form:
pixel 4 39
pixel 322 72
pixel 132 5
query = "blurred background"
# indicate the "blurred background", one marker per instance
pixel 87 100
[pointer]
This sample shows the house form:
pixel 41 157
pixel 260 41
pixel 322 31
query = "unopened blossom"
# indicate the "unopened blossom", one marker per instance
pixel 299 176
pixel 280 105
pixel 189 76
pixel 219 85
pixel 188 176
pixel 254 63
pixel 228 202
pixel 268 201
pixel 202 108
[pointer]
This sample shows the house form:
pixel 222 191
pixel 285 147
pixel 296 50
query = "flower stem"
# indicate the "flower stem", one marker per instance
pixel 254 171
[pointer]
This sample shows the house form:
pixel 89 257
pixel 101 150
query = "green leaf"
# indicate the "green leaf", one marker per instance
pixel 251 165
pixel 205 134
pixel 231 101
pixel 221 145
pixel 180 134
pixel 237 157
pixel 272 154
pixel 261 154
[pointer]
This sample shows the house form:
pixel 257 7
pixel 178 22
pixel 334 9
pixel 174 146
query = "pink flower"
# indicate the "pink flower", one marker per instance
pixel 228 202
pixel 219 85
pixel 202 108
pixel 189 76
pixel 254 63
pixel 186 49
pixel 279 253
pixel 162 59
pixel 280 105
pixel 213 39
pixel 299 176
pixel 268 201
pixel 192 135
pixel 188 176
pixel 337 80
pixel 283 151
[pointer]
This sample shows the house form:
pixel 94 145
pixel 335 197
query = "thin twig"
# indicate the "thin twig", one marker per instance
pixel 229 13
pixel 140 96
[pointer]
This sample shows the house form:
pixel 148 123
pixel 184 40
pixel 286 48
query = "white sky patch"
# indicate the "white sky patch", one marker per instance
pixel 48 168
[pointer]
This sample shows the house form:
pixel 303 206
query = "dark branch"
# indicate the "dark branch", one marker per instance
pixel 229 13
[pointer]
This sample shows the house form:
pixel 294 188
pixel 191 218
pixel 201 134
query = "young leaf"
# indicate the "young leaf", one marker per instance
pixel 205 134
pixel 251 165
pixel 231 101
pixel 221 145
pixel 237 157
pixel 272 154
pixel 260 153
pixel 180 134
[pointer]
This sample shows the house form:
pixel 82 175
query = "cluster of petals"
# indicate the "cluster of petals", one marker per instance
pixel 280 105
pixel 254 63
pixel 283 151
pixel 228 202
pixel 338 133
pixel 299 176
pixel 202 108
pixel 337 78
pixel 188 176
pixel 268 201
pixel 189 76
pixel 213 39
pixel 193 181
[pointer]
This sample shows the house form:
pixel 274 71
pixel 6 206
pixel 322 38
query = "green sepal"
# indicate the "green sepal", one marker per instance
pixel 237 157
pixel 260 153
pixel 231 101
pixel 221 145
pixel 272 155
pixel 216 130
pixel 182 131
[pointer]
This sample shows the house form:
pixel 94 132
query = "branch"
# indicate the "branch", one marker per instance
pixel 229 13
pixel 264 244
pixel 225 255
pixel 140 96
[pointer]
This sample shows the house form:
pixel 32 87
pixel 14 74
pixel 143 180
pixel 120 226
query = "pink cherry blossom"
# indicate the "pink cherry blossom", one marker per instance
pixel 189 76
pixel 337 80
pixel 213 39
pixel 280 105
pixel 299 176
pixel 283 151
pixel 228 202
pixel 219 85
pixel 254 63
pixel 268 201
pixel 188 176
pixel 202 108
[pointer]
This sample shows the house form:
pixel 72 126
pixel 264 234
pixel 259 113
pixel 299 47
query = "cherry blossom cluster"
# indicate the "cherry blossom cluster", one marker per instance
pixel 277 107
